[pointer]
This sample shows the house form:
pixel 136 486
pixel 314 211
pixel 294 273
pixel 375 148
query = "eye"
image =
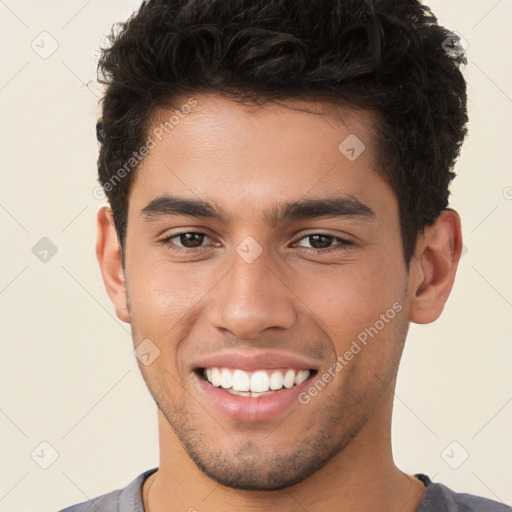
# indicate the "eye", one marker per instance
pixel 193 241
pixel 187 241
pixel 320 242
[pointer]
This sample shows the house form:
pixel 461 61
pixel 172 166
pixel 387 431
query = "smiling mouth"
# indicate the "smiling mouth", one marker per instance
pixel 256 383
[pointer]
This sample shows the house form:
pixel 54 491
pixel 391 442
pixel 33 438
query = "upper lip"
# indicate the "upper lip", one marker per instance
pixel 257 361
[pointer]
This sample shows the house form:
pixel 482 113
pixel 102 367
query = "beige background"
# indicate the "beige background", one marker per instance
pixel 68 375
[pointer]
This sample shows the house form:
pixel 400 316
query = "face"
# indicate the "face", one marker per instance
pixel 259 255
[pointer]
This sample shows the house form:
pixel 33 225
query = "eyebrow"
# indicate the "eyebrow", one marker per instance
pixel 329 207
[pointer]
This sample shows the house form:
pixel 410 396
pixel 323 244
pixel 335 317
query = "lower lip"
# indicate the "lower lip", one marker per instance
pixel 244 408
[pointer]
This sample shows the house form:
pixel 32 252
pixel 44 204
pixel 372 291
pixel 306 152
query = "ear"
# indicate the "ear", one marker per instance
pixel 433 267
pixel 109 258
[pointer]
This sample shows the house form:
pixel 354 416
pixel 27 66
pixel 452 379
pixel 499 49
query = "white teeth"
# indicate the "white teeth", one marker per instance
pixel 240 381
pixel 215 377
pixel 226 378
pixel 258 383
pixel 289 379
pixel 301 376
pixel 276 380
pixel 247 393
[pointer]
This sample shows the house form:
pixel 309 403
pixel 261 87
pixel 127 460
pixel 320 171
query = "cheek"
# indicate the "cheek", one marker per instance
pixel 164 290
pixel 158 299
pixel 350 297
pixel 162 310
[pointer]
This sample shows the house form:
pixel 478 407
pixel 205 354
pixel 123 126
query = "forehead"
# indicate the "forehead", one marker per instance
pixel 246 156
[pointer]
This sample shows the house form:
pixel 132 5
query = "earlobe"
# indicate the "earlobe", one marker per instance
pixel 109 258
pixel 433 269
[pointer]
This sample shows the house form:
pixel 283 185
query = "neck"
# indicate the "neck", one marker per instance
pixel 362 478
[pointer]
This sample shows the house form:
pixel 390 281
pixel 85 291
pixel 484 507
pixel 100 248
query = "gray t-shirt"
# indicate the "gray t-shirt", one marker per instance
pixel 437 498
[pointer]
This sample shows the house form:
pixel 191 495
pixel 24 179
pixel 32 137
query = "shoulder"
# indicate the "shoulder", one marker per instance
pixel 439 498
pixel 128 499
pixel 106 503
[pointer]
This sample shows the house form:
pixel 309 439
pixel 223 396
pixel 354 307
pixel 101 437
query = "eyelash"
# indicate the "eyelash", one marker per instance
pixel 343 243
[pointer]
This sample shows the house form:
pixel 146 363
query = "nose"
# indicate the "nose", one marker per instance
pixel 252 297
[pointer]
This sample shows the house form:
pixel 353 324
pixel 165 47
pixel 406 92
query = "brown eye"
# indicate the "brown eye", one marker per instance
pixel 191 240
pixel 323 243
pixel 320 241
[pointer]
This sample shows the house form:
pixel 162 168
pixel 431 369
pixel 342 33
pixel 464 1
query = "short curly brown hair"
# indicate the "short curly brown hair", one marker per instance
pixel 390 56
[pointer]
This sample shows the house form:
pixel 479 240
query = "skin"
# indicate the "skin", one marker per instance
pixel 333 453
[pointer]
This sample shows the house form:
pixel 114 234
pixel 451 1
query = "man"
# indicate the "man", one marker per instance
pixel 277 173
